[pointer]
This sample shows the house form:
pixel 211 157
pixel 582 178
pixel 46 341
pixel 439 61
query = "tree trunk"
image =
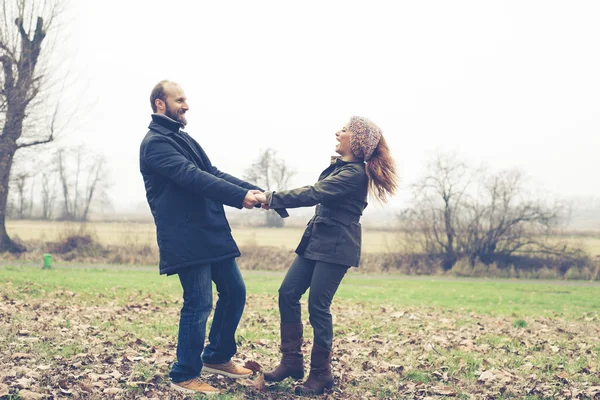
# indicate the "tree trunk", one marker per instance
pixel 8 147
pixel 273 220
pixel 450 256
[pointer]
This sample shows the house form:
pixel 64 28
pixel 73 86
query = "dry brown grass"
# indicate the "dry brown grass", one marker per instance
pixel 144 234
pixel 264 249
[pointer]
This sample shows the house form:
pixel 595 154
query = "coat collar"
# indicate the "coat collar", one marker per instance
pixel 165 125
pixel 337 160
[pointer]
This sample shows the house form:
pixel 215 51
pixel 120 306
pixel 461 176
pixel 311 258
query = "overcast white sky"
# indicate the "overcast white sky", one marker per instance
pixel 509 83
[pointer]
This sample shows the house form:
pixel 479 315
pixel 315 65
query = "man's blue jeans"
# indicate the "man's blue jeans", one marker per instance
pixel 197 305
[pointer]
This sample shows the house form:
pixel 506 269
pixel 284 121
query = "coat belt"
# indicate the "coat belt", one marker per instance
pixel 343 216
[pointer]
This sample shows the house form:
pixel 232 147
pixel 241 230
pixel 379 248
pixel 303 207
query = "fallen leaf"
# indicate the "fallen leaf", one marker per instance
pixel 23 383
pixel 64 387
pixel 527 366
pixel 592 391
pixel 65 391
pixel 112 390
pixel 259 383
pixel 33 374
pixel 138 383
pixel 85 388
pixel 3 390
pixel 19 356
pixel 29 339
pixel 486 376
pixel 29 395
pixel 253 366
pixel 163 359
pixel 116 374
pixel 444 391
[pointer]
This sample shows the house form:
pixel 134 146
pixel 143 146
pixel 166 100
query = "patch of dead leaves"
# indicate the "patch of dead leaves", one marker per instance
pixel 383 352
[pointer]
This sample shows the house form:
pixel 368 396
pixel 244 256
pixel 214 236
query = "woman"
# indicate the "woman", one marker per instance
pixel 330 245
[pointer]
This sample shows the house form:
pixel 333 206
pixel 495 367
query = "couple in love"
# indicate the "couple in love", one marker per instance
pixel 186 195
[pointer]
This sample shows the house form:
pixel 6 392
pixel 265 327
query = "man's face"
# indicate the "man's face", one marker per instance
pixel 176 103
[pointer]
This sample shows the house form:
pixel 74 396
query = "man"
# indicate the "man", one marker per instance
pixel 186 194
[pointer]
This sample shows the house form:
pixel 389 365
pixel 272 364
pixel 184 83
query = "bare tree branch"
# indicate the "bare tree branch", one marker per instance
pixel 35 143
pixel 271 173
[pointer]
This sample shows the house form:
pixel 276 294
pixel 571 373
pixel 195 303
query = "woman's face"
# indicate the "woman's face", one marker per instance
pixel 343 138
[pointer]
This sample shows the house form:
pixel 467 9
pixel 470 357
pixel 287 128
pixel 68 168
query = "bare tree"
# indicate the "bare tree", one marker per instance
pixel 83 179
pixel 505 220
pixel 31 197
pixel 64 183
pixel 271 173
pixel 260 172
pixel 282 173
pixel 95 181
pixel 21 204
pixel 434 219
pixel 48 194
pixel 487 217
pixel 25 84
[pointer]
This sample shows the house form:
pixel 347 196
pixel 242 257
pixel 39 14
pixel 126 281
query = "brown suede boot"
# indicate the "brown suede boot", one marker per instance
pixel 320 377
pixel 292 362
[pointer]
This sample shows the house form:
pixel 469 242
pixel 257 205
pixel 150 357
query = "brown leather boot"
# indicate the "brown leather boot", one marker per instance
pixel 320 377
pixel 292 362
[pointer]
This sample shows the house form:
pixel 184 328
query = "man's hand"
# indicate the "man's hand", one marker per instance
pixel 260 197
pixel 250 199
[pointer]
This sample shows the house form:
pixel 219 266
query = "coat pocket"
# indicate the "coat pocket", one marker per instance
pixel 355 239
pixel 325 236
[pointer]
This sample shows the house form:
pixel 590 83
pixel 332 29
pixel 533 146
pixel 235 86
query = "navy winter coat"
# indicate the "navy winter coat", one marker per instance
pixel 186 194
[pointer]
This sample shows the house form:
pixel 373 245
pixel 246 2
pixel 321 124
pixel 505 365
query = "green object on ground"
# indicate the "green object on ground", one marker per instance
pixel 47 261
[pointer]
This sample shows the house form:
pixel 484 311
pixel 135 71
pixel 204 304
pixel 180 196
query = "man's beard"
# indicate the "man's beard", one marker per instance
pixel 179 117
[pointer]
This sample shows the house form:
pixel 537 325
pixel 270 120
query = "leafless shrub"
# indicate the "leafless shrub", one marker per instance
pixel 486 218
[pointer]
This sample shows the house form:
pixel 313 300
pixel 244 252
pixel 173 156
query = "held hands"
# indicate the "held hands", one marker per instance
pixel 262 198
pixel 254 197
pixel 250 200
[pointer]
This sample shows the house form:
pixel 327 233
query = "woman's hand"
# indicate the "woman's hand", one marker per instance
pixel 262 199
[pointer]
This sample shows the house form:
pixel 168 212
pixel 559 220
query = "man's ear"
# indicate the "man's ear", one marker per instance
pixel 160 105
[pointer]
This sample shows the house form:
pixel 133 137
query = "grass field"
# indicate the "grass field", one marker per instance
pixel 97 333
pixel 134 233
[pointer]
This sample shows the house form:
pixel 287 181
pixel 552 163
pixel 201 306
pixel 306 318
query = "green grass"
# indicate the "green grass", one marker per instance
pixel 520 323
pixel 491 297
pixel 393 334
pixel 494 297
pixel 417 376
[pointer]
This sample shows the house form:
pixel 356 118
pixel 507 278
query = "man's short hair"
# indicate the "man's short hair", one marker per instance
pixel 158 93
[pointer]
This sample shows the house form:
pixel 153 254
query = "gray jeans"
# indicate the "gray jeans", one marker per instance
pixel 323 279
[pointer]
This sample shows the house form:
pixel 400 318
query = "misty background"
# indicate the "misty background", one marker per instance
pixel 508 84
